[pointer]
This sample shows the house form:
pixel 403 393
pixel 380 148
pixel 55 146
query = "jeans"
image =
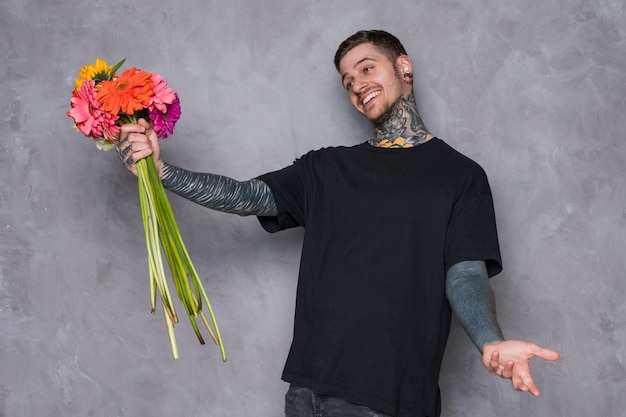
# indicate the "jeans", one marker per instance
pixel 302 402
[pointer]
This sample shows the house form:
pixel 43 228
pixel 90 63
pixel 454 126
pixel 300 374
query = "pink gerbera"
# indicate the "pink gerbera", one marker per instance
pixel 164 121
pixel 162 94
pixel 89 118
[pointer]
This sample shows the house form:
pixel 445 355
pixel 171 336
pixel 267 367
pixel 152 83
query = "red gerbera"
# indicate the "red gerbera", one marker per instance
pixel 128 93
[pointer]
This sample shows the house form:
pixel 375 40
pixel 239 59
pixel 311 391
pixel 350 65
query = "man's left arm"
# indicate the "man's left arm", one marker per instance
pixel 473 303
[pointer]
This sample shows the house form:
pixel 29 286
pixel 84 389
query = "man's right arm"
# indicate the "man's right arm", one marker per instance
pixel 221 193
pixel 217 192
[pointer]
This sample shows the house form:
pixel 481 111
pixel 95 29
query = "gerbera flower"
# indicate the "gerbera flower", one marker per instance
pixel 100 104
pixel 88 116
pixel 164 122
pixel 98 71
pixel 128 93
pixel 162 94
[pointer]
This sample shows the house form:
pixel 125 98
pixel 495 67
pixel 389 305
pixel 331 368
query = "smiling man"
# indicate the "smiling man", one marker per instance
pixel 380 86
pixel 399 233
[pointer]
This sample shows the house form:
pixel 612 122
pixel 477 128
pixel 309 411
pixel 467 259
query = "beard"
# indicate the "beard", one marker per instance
pixel 389 109
pixel 387 113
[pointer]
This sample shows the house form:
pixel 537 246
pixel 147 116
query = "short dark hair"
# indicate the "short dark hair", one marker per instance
pixel 386 42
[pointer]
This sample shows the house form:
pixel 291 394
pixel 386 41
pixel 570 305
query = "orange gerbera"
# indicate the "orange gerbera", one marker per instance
pixel 128 93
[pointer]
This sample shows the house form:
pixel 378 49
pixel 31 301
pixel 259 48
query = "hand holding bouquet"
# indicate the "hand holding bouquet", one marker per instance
pixel 100 104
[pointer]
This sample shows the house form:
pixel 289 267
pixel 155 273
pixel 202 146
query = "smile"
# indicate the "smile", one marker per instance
pixel 370 96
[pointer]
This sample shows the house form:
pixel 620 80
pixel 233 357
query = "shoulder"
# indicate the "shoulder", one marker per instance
pixel 326 153
pixel 460 172
pixel 455 159
pixel 446 150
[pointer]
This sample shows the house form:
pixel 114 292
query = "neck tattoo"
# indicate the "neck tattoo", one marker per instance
pixel 400 127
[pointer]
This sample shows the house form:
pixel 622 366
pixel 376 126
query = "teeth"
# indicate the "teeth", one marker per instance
pixel 370 96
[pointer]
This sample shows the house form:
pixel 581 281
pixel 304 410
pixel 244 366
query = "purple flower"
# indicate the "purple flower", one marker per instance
pixel 164 122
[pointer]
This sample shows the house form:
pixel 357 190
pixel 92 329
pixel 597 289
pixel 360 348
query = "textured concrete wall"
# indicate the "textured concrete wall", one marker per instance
pixel 534 91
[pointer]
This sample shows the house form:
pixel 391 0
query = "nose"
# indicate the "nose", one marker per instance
pixel 358 84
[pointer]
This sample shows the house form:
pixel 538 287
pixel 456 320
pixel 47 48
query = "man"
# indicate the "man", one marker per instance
pixel 397 230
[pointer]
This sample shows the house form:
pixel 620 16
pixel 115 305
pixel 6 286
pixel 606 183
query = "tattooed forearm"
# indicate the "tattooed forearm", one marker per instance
pixel 221 193
pixel 473 302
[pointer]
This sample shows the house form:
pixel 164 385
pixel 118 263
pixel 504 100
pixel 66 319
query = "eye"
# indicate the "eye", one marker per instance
pixel 348 85
pixel 368 69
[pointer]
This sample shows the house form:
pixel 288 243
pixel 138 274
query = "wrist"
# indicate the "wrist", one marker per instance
pixel 492 345
pixel 163 168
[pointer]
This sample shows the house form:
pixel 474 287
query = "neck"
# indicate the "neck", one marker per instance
pixel 401 126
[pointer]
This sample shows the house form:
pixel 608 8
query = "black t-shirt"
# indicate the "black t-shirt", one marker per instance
pixel 382 226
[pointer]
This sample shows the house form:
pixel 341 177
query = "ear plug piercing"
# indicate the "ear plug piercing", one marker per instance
pixel 408 75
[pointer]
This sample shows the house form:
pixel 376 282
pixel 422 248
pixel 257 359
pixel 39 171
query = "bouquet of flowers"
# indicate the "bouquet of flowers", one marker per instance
pixel 101 102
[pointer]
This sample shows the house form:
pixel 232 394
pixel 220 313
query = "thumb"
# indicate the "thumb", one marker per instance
pixel 143 123
pixel 547 354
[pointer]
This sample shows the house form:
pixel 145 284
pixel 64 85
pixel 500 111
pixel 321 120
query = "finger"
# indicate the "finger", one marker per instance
pixel 131 128
pixel 527 384
pixel 125 153
pixel 532 388
pixel 494 363
pixel 133 148
pixel 144 123
pixel 507 372
pixel 523 381
pixel 148 125
pixel 137 137
pixel 123 150
pixel 154 143
pixel 519 386
pixel 122 143
pixel 127 131
pixel 547 354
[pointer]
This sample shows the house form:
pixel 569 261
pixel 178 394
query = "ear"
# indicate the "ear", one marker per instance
pixel 404 64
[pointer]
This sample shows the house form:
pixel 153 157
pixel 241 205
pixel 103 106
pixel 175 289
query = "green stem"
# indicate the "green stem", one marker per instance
pixel 152 239
pixel 160 227
pixel 170 332
pixel 169 224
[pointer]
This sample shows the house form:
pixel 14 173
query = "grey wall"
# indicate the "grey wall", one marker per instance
pixel 533 90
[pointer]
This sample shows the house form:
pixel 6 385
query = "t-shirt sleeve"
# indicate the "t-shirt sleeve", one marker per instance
pixel 288 188
pixel 472 233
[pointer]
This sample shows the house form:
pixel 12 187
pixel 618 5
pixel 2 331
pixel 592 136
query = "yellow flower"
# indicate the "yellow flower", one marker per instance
pixel 98 71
